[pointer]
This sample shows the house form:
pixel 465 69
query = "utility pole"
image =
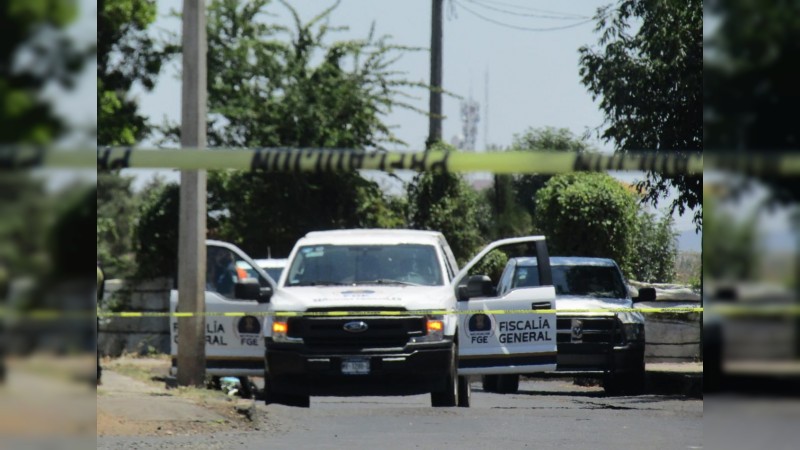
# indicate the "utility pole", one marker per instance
pixel 435 108
pixel 192 225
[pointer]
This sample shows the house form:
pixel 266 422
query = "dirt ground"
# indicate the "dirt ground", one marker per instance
pixel 133 401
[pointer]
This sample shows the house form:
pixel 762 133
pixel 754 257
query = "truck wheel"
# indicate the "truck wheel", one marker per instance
pixel 279 398
pixel 490 383
pixel 246 390
pixel 631 383
pixel 464 391
pixel 508 384
pixel 449 396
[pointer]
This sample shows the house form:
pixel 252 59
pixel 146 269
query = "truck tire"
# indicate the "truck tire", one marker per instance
pixel 490 383
pixel 464 391
pixel 449 396
pixel 508 384
pixel 628 383
pixel 246 390
pixel 278 398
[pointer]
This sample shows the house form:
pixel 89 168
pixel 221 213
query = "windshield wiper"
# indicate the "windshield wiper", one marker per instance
pixel 321 283
pixel 388 281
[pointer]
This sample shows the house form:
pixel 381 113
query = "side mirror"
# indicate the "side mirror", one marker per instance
pixel 646 295
pixel 476 286
pixel 247 289
pixel 265 294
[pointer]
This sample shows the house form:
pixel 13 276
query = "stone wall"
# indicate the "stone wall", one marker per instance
pixel 142 335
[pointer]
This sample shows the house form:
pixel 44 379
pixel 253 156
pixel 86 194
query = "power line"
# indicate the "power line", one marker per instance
pixel 529 8
pixel 539 15
pixel 516 27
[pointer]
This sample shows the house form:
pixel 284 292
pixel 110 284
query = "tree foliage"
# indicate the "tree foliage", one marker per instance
pixel 650 82
pixel 156 233
pixel 272 86
pixel 35 28
pixel 750 87
pixel 276 86
pixel 542 139
pixel 654 250
pixel 126 56
pixel 730 250
pixel 508 219
pixel 592 214
pixel 117 210
pixel 445 202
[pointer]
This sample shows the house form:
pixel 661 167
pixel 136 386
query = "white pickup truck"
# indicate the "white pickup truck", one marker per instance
pixel 374 312
pixel 387 312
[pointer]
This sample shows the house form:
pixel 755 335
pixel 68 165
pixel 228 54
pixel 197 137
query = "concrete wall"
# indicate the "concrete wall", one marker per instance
pixel 672 337
pixel 142 335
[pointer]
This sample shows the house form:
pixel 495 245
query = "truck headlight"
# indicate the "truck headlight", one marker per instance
pixel 280 333
pixel 634 332
pixel 434 328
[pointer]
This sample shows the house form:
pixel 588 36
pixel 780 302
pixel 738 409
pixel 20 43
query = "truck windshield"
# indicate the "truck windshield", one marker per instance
pixel 331 265
pixel 581 281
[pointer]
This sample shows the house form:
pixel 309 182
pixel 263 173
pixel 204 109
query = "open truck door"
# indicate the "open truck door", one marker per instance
pixel 236 296
pixel 509 334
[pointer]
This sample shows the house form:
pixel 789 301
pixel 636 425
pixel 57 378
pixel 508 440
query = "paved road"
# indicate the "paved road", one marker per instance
pixel 550 413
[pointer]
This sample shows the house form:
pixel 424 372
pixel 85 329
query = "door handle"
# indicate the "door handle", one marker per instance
pixel 540 305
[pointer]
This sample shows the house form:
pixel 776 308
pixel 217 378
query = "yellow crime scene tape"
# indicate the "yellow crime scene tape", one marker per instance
pixel 785 164
pixel 395 313
pixel 52 314
pixel 721 310
pixel 327 160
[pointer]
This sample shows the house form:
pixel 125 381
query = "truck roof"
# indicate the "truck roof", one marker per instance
pixel 371 236
pixel 567 261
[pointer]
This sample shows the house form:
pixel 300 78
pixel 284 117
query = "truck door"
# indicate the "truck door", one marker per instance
pixel 234 342
pixel 512 333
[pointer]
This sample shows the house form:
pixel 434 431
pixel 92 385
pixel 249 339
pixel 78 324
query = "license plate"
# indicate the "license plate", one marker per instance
pixel 355 366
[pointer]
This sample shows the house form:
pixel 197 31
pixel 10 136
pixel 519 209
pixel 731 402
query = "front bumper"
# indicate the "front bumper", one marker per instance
pixel 413 369
pixel 600 357
pixel 597 344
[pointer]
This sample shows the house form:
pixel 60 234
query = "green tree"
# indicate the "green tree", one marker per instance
pixel 750 86
pixel 445 202
pixel 650 84
pixel 126 56
pixel 593 214
pixel 117 209
pixel 654 249
pixel 542 139
pixel 35 26
pixel 508 219
pixel 275 86
pixel 730 250
pixel 156 233
pixel 25 215
pixel 587 214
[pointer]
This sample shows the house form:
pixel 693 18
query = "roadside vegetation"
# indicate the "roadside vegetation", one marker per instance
pixel 298 86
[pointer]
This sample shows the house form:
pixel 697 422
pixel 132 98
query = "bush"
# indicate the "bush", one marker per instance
pixel 654 250
pixel 592 214
pixel 156 234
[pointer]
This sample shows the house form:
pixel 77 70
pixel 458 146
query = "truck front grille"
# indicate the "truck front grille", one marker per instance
pixel 328 333
pixel 596 330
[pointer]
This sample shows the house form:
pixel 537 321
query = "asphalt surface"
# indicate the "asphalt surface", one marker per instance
pixel 546 413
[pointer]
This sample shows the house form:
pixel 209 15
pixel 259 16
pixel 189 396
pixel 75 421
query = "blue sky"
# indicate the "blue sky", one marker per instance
pixel 533 78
